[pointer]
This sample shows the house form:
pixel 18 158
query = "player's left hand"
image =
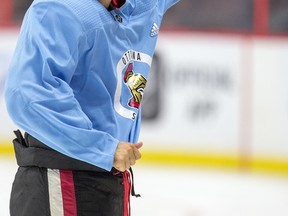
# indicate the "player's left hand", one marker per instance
pixel 126 155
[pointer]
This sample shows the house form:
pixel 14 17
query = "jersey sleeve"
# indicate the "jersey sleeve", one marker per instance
pixel 164 5
pixel 37 92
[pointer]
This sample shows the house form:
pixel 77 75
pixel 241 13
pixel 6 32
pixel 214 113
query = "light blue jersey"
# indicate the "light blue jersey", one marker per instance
pixel 78 74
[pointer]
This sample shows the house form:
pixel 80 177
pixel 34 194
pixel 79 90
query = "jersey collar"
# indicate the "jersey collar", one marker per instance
pixel 117 3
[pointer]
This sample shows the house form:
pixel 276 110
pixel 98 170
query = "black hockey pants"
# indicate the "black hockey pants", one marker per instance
pixel 50 184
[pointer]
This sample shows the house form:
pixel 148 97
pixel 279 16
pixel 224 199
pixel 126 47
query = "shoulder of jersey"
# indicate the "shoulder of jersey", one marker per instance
pixel 144 6
pixel 90 13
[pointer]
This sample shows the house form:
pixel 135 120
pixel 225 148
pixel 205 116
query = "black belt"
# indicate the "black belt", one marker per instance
pixel 31 152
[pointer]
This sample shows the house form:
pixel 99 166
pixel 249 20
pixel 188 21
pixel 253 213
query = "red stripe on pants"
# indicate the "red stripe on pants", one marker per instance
pixel 68 193
pixel 127 191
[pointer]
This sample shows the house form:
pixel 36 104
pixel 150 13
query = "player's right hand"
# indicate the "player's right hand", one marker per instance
pixel 126 155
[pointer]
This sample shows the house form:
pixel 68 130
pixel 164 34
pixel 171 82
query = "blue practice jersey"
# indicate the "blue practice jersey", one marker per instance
pixel 79 71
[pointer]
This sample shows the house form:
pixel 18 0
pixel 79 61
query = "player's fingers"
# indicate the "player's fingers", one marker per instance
pixel 138 145
pixel 136 153
pixel 120 162
pixel 132 161
pixel 126 155
pixel 132 157
pixel 127 164
pixel 121 166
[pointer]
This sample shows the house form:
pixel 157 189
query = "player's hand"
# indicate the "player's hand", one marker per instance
pixel 126 155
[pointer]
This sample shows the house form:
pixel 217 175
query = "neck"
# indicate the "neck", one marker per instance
pixel 105 3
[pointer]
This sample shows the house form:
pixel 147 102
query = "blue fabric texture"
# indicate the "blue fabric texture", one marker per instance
pixel 78 74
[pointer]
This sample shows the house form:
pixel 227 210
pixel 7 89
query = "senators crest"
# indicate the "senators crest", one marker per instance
pixel 131 83
pixel 136 84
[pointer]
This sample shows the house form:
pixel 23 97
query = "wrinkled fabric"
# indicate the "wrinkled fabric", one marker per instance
pixel 69 84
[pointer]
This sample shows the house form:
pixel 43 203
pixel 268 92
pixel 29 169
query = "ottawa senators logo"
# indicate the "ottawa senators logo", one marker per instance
pixel 136 84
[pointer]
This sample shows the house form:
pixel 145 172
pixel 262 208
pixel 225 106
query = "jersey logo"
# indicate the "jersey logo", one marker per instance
pixel 154 30
pixel 135 83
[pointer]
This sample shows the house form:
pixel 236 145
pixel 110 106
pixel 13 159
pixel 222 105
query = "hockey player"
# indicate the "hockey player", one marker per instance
pixel 75 86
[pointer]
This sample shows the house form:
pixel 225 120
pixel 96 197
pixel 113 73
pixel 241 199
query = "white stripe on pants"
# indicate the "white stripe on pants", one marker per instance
pixel 55 192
